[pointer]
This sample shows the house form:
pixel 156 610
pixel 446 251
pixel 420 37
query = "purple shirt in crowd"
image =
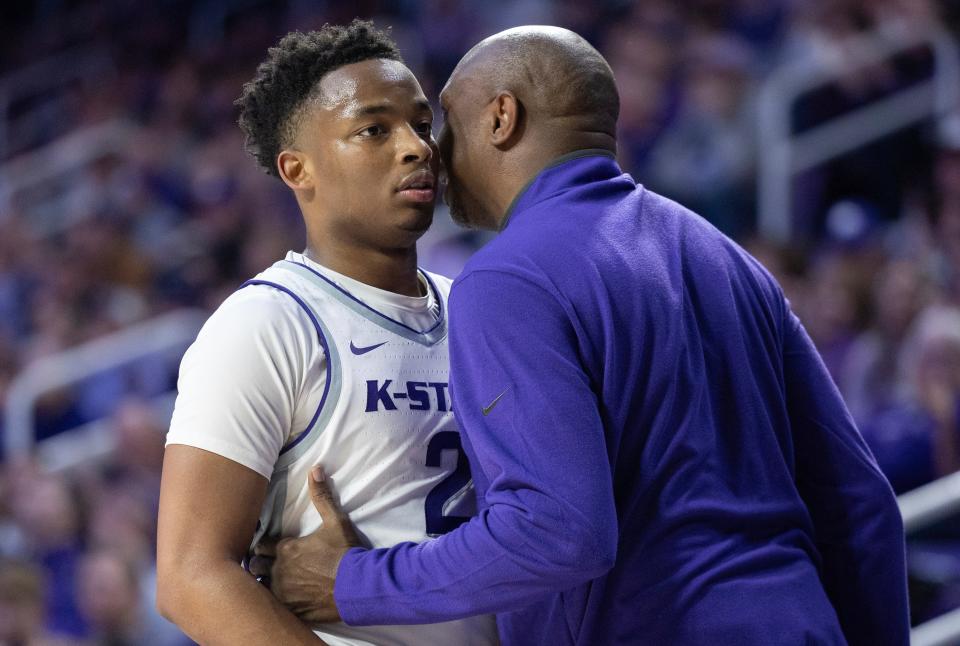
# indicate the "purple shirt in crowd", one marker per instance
pixel 659 453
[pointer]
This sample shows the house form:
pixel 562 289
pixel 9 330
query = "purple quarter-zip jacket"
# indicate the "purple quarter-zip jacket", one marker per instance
pixel 659 454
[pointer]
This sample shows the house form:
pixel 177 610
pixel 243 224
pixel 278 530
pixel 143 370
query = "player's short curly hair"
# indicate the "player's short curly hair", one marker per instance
pixel 271 104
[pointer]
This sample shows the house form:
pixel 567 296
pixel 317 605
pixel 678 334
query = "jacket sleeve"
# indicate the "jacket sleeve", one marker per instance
pixel 857 524
pixel 527 409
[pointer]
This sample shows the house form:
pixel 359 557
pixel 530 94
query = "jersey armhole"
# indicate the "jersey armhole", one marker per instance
pixel 294 448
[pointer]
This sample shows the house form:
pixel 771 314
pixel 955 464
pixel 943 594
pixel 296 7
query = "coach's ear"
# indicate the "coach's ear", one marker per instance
pixel 295 170
pixel 505 115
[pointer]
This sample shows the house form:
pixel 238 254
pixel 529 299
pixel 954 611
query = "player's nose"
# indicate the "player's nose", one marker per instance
pixel 415 147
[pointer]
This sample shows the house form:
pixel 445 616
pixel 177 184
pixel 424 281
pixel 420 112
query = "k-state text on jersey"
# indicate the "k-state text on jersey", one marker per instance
pixel 419 395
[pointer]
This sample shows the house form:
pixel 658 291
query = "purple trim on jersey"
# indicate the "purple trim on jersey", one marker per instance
pixel 436 295
pixel 326 352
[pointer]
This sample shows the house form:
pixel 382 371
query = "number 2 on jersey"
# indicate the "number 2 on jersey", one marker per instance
pixel 449 487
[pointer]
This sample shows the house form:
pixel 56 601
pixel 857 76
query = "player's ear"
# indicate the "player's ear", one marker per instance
pixel 294 169
pixel 506 119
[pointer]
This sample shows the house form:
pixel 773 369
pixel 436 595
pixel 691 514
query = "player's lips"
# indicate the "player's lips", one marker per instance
pixel 419 186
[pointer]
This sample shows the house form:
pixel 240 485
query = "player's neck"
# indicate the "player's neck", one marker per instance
pixel 391 271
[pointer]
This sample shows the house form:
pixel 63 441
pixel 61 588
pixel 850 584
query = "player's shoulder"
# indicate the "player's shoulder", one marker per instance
pixel 259 303
pixel 258 314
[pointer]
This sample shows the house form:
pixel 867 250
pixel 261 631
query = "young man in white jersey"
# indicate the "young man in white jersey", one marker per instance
pixel 337 356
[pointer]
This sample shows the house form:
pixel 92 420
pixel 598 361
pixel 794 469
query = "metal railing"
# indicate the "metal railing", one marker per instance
pixel 93 440
pixel 930 503
pixel 782 154
pixel 40 180
pixel 167 333
pixel 922 508
pixel 942 631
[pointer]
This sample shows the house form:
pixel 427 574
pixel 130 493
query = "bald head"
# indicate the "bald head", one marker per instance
pixel 517 101
pixel 557 75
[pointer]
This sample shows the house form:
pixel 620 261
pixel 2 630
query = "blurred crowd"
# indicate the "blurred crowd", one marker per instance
pixel 77 550
pixel 178 216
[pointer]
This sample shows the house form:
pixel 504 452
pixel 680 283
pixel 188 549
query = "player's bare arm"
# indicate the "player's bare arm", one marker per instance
pixel 208 513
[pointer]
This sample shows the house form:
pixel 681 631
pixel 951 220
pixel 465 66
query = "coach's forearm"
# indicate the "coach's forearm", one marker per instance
pixel 527 409
pixel 220 603
pixel 498 562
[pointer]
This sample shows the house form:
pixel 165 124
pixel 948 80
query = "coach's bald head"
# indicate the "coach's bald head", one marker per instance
pixel 559 76
pixel 516 101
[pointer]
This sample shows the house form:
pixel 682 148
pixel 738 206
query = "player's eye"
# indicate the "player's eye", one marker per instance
pixel 424 128
pixel 372 131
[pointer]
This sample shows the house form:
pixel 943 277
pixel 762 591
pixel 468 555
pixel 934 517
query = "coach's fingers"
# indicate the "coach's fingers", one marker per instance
pixel 322 497
pixel 336 523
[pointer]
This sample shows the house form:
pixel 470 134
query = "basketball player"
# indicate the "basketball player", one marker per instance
pixel 335 356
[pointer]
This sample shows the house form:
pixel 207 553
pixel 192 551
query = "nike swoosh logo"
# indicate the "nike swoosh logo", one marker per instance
pixel 358 351
pixel 487 409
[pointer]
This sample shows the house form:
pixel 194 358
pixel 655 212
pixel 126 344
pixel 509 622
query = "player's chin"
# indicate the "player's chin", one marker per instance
pixel 415 220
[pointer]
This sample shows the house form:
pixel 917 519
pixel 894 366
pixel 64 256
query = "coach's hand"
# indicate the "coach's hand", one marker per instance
pixel 302 571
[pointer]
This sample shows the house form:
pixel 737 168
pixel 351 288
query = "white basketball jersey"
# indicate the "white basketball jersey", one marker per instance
pixel 386 437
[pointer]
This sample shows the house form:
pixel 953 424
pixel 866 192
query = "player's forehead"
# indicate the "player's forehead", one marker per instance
pixel 350 89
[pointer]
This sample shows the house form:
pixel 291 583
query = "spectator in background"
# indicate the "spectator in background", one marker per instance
pixel 134 466
pixel 917 439
pixel 933 365
pixel 123 527
pixel 49 513
pixel 21 603
pixel 870 379
pixel 831 306
pixel 710 139
pixel 112 602
pixel 946 215
pixel 760 23
pixel 948 234
pixel 644 62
